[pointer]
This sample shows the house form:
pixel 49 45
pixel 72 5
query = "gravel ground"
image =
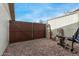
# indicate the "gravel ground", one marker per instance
pixel 39 47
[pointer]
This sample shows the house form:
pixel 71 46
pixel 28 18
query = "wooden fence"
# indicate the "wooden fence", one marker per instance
pixel 23 31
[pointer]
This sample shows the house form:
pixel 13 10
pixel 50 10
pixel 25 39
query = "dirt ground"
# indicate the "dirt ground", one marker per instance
pixel 39 47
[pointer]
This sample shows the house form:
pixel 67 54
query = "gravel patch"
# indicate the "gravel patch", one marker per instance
pixel 39 47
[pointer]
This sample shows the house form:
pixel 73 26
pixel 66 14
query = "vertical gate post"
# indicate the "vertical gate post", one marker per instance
pixel 32 31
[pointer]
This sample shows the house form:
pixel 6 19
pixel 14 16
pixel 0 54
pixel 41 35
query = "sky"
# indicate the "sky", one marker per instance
pixel 34 12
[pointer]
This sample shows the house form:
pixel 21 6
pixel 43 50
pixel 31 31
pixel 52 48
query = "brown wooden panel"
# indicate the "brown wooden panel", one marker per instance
pixel 39 30
pixel 23 31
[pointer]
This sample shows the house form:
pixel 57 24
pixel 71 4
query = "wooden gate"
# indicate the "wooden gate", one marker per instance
pixel 23 31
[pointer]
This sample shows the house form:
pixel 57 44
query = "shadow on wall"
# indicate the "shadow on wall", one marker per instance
pixel 53 34
pixel 60 32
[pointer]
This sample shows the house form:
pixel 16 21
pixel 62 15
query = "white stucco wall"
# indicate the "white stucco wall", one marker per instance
pixel 69 23
pixel 63 21
pixel 70 29
pixel 4 26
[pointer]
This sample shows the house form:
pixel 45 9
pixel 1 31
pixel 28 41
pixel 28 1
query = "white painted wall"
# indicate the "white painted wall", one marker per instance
pixel 70 29
pixel 4 26
pixel 69 23
pixel 63 21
